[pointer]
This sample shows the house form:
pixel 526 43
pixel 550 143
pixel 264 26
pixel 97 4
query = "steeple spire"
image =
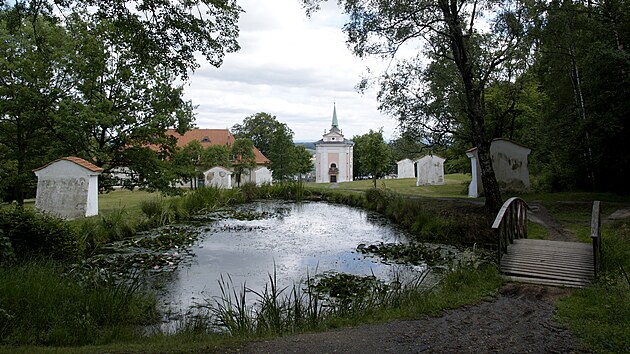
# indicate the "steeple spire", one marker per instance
pixel 335 124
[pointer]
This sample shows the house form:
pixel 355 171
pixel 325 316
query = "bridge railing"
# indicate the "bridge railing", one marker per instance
pixel 596 236
pixel 510 224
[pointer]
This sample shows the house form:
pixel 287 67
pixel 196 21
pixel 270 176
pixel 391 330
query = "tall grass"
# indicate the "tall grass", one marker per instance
pixel 600 314
pixel 42 304
pixel 244 313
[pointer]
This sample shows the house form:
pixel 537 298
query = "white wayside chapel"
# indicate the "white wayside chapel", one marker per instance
pixel 68 188
pixel 333 157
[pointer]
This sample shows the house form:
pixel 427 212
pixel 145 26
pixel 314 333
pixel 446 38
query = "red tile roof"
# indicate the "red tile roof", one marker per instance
pixel 79 161
pixel 210 137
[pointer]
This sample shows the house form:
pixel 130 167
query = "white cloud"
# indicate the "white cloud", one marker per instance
pixel 292 67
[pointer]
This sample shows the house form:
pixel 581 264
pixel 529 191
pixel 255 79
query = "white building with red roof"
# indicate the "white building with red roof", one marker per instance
pixel 217 177
pixel 68 188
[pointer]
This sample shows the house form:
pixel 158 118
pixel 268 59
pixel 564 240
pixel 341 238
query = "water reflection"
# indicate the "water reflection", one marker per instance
pixel 292 240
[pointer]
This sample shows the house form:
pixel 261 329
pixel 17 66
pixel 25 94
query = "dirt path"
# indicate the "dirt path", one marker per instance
pixel 538 214
pixel 519 320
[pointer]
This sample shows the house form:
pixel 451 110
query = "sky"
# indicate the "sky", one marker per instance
pixel 292 67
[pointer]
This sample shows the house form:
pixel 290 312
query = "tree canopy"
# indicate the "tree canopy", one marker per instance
pixel 372 156
pixel 102 80
pixel 274 139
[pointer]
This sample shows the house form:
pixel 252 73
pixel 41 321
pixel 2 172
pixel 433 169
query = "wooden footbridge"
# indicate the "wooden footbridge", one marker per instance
pixel 557 263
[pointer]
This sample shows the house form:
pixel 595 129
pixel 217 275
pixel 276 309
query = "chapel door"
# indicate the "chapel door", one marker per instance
pixel 333 179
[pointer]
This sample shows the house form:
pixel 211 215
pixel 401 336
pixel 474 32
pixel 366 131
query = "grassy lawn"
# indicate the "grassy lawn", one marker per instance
pixel 118 199
pixel 455 186
pixel 123 198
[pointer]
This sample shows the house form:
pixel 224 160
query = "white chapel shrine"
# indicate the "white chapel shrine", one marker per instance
pixel 333 156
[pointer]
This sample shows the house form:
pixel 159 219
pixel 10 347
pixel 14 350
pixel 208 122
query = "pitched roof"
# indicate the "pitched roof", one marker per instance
pixel 207 137
pixel 79 161
pixel 211 137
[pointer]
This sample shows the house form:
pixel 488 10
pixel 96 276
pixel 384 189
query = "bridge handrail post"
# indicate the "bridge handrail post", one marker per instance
pixel 596 219
pixel 510 224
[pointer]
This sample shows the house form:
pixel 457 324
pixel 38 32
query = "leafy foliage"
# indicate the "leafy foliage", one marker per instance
pixel 34 235
pixel 274 140
pixel 97 79
pixel 372 156
pixel 244 158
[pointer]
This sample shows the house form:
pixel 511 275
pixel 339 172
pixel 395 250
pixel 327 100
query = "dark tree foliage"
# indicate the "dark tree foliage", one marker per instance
pixel 584 70
pixel 273 138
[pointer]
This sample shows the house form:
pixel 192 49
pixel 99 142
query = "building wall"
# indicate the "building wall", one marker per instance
pixel 430 170
pixel 263 175
pixel 509 161
pixel 67 190
pixel 218 177
pixel 406 169
pixel 341 155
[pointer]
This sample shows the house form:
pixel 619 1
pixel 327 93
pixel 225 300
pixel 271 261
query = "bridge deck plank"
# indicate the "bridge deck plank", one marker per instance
pixel 549 262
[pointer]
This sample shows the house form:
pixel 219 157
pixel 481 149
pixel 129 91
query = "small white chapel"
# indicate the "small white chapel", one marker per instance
pixel 333 156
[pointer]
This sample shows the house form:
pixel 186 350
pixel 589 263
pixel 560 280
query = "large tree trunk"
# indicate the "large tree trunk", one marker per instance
pixel 474 104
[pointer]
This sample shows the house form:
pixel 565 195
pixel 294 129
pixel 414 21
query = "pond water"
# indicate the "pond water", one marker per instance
pixel 290 239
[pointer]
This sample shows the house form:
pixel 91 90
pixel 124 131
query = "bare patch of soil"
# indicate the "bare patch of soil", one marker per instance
pixel 519 320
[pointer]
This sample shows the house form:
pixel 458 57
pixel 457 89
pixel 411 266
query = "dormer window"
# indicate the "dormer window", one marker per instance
pixel 205 139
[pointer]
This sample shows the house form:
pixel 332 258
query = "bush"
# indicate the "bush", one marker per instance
pixel 7 255
pixel 33 234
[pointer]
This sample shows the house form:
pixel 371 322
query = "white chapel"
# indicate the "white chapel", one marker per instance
pixel 333 157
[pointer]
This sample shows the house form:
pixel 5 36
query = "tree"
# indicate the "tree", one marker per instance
pixel 37 56
pixel 244 158
pixel 272 138
pixel 583 68
pixel 190 161
pixel 155 32
pixel 406 146
pixel 101 77
pixel 372 154
pixel 450 31
pixel 302 160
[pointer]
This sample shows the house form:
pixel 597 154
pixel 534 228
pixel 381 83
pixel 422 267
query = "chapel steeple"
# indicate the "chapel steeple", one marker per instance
pixel 335 123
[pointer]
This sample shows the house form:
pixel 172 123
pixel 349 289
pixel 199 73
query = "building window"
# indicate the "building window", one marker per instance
pixel 333 165
pixel 205 139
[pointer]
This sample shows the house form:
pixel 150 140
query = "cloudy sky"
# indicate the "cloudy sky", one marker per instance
pixel 292 67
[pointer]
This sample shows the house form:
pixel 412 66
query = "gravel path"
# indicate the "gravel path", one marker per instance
pixel 519 320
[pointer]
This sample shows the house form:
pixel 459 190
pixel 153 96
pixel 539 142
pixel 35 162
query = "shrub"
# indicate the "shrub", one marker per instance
pixel 7 255
pixel 33 234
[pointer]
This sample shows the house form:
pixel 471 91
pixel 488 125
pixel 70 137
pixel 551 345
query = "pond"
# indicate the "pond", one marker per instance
pixel 292 240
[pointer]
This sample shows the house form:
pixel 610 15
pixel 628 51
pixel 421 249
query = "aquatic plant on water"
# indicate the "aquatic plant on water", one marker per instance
pixel 408 253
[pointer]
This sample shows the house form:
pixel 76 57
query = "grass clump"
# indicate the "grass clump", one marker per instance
pixel 42 304
pixel 600 314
